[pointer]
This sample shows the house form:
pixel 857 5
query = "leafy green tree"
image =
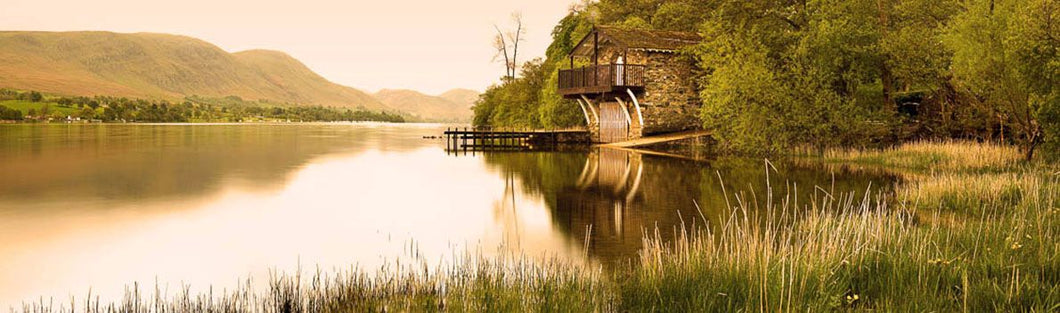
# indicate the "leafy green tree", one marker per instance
pixel 10 114
pixel 531 100
pixel 780 75
pixel 1005 54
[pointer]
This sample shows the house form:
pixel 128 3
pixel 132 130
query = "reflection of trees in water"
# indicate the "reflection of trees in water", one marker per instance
pixel 506 212
pixel 613 197
pixel 122 162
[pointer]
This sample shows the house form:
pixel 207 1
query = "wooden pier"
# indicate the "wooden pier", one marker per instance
pixel 471 139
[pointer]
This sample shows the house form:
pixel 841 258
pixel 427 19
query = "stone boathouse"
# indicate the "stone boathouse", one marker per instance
pixel 633 83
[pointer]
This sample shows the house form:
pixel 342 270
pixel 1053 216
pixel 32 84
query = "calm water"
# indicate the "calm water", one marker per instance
pixel 103 206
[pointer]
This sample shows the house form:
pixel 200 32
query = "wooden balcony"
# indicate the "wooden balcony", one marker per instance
pixel 600 79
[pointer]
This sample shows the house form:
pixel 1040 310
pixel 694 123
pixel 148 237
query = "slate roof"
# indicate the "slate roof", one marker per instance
pixel 650 40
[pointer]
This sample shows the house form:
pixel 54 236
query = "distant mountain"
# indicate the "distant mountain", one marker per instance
pixel 465 97
pixel 162 66
pixel 452 106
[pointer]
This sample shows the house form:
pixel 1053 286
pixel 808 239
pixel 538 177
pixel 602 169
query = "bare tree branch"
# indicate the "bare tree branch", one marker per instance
pixel 517 18
pixel 506 42
pixel 501 44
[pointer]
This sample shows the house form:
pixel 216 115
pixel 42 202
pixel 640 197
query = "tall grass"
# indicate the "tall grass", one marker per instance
pixel 863 255
pixel 476 284
pixel 933 156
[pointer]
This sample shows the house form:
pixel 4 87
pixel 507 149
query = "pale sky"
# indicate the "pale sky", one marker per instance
pixel 430 46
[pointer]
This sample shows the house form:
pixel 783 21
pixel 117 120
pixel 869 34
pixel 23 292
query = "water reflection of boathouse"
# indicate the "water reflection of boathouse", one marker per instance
pixel 607 200
pixel 607 208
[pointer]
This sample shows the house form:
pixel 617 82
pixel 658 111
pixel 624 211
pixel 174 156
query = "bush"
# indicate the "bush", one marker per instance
pixel 10 114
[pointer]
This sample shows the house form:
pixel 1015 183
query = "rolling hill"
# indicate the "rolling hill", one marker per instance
pixel 149 65
pixel 451 106
pixel 464 97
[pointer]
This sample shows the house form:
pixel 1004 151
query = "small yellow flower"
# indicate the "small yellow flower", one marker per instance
pixel 852 299
pixel 1016 246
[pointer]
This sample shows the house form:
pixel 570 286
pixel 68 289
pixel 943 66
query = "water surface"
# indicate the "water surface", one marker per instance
pixel 102 206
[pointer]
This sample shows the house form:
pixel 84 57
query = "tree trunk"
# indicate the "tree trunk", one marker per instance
pixel 886 77
pixel 887 80
pixel 1035 140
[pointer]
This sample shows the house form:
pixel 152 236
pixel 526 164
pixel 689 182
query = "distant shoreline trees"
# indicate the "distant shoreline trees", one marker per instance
pixel 192 109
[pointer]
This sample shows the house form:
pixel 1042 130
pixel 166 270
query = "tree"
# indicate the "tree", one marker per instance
pixel 507 45
pixel 35 96
pixel 1005 55
pixel 783 74
pixel 87 113
pixel 7 113
pixel 515 103
pixel 45 109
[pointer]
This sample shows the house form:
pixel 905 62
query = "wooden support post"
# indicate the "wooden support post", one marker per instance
pixel 596 57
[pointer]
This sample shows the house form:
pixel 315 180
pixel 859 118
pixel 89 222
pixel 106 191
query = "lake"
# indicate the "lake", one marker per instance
pixel 98 207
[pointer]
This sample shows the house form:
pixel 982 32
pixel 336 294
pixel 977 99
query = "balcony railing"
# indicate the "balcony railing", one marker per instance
pixel 601 78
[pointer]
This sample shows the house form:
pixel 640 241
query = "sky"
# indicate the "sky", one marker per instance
pixel 424 45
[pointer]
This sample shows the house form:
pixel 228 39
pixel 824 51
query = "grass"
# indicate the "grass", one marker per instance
pixel 999 254
pixel 933 156
pixel 975 235
pixel 25 106
pixel 477 284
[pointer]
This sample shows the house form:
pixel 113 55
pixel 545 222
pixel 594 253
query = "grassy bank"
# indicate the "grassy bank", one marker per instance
pixel 927 157
pixel 53 108
pixel 971 229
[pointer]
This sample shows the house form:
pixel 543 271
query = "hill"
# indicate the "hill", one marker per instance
pixel 464 97
pixel 452 106
pixel 151 65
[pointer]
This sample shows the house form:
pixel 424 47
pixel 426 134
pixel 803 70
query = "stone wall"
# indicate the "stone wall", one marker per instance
pixel 609 55
pixel 670 101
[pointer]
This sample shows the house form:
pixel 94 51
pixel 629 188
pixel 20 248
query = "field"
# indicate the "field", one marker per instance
pixel 25 106
pixel 971 228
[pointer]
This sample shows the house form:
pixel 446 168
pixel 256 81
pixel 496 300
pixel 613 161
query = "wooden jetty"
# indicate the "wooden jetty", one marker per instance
pixel 651 140
pixel 482 139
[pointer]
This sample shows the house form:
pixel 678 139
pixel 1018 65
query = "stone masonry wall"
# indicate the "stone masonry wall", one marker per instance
pixel 670 101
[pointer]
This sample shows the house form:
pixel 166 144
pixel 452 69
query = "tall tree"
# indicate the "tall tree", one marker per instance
pixel 507 45
pixel 1005 53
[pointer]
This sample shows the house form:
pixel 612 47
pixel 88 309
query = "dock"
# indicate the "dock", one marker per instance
pixel 471 139
pixel 645 141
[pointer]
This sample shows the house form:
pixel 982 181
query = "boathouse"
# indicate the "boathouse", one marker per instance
pixel 633 83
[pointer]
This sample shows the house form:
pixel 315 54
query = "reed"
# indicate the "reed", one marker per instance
pixel 933 156
pixel 474 284
pixel 869 254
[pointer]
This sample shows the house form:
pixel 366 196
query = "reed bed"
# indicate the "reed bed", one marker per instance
pixel 933 156
pixel 866 255
pixel 474 284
